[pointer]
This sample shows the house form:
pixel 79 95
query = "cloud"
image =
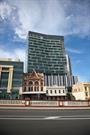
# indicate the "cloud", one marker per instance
pixel 17 53
pixel 5 10
pixel 51 17
pixel 73 50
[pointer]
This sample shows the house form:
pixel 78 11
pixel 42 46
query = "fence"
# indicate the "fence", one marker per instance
pixel 12 102
pixel 30 103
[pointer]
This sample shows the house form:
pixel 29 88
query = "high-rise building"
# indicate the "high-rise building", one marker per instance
pixel 11 76
pixel 46 54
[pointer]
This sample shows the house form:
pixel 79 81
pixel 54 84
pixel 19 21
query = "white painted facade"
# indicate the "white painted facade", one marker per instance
pixel 79 95
pixel 81 91
pixel 55 90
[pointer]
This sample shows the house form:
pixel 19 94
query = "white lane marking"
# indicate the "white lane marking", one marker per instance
pixel 74 116
pixel 51 117
pixel 74 119
pixel 42 116
pixel 20 116
pixel 45 119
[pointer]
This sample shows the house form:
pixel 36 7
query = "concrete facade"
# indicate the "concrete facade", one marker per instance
pixel 81 91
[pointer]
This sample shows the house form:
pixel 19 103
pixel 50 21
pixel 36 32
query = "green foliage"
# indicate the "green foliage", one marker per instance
pixel 70 96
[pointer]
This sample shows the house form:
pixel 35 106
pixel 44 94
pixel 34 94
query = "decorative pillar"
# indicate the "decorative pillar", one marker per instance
pixel 33 86
pixel 10 79
pixel 39 85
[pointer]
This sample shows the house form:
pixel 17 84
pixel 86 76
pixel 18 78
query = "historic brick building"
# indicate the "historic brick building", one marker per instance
pixel 33 86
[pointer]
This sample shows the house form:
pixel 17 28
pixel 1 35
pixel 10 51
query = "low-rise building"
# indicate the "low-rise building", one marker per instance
pixel 34 88
pixel 11 77
pixel 81 91
pixel 56 92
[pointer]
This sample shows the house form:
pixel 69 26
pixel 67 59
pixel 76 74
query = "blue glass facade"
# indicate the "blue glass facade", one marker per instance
pixel 46 54
pixel 17 75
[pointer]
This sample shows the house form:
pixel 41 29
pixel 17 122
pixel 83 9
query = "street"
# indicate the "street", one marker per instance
pixel 44 122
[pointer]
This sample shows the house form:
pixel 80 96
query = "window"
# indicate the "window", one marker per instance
pixel 36 83
pixel 63 91
pixel 41 88
pixel 59 91
pixel 51 91
pixel 31 88
pixel 85 88
pixel 42 83
pixel 30 83
pixel 47 91
pixel 86 94
pixel 24 89
pixel 36 88
pixel 55 91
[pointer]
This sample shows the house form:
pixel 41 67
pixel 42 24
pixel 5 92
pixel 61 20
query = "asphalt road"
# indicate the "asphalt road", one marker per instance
pixel 44 122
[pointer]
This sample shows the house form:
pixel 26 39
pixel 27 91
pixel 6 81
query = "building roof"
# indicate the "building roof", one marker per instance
pixel 10 59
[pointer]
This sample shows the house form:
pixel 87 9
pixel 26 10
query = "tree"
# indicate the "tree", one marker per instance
pixel 69 94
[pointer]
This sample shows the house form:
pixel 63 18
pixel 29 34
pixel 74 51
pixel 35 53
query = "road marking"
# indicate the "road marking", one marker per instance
pixel 52 117
pixel 27 117
pixel 21 118
pixel 74 119
pixel 18 117
pixel 43 116
pixel 45 119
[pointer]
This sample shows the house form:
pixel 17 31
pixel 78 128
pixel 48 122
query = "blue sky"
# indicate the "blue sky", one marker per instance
pixel 70 18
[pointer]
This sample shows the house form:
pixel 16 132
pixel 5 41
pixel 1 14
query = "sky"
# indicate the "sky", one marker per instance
pixel 68 18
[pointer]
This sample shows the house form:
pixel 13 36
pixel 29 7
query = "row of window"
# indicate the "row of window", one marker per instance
pixel 47 40
pixel 32 89
pixel 55 91
pixel 86 88
pixel 34 83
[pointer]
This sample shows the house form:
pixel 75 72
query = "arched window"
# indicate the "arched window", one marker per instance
pixel 30 86
pixel 30 83
pixel 24 89
pixel 36 86
pixel 36 83
pixel 41 82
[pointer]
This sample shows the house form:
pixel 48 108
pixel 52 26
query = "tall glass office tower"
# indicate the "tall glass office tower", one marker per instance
pixel 46 54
